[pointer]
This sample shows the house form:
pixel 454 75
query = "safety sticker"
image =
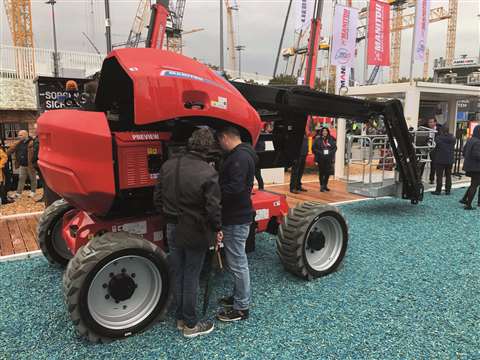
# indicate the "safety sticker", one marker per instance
pixel 158 236
pixel 138 228
pixel 221 103
pixel 262 214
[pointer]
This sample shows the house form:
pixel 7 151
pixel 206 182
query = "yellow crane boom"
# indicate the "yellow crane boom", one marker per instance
pixel 19 15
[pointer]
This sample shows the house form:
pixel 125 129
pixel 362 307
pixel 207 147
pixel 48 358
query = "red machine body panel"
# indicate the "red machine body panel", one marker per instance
pixel 139 157
pixel 268 205
pixel 165 83
pixel 79 227
pixel 76 158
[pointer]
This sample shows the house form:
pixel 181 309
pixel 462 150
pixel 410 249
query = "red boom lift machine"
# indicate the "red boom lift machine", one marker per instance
pixel 104 165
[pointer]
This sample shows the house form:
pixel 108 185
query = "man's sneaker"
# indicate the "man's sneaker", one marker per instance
pixel 232 315
pixel 226 302
pixel 180 324
pixel 202 328
pixel 31 194
pixel 15 196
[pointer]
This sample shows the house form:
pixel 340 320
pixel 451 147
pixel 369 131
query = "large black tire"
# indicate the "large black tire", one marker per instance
pixel 105 298
pixel 49 231
pixel 312 241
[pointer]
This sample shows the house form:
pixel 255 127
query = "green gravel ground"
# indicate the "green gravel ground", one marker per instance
pixel 409 288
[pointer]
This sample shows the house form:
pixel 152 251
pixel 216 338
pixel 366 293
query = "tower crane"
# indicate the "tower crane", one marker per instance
pixel 401 22
pixel 232 58
pixel 139 23
pixel 174 32
pixel 19 15
pixel 451 31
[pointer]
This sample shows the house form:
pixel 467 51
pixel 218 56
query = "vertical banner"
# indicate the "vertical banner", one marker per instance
pixel 378 33
pixel 344 36
pixel 304 13
pixel 421 29
pixel 342 78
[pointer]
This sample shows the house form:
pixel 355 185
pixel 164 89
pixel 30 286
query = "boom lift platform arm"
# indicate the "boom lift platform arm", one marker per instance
pixel 291 107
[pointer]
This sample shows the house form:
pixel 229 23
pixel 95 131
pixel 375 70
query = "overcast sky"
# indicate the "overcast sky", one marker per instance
pixel 259 24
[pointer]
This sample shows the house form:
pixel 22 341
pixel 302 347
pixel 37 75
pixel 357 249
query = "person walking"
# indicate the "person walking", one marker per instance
pixel 432 125
pixel 23 150
pixel 324 148
pixel 471 166
pixel 3 186
pixel 444 149
pixel 188 196
pixel 236 183
pixel 298 168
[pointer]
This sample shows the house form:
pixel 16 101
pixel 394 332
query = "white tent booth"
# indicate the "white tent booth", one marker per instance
pixel 411 94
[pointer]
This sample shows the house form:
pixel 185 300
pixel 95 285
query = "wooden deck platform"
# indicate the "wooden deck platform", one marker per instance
pixel 18 234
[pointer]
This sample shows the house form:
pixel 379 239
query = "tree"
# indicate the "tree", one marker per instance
pixel 283 80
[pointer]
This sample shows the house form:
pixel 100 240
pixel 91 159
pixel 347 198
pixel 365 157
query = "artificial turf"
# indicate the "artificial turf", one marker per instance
pixel 409 288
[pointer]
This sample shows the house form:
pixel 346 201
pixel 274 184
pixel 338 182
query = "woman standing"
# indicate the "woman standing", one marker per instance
pixel 3 190
pixel 324 149
pixel 471 165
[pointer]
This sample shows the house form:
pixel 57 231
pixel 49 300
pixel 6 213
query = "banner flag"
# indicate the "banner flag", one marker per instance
pixel 422 19
pixel 378 33
pixel 342 78
pixel 304 13
pixel 344 36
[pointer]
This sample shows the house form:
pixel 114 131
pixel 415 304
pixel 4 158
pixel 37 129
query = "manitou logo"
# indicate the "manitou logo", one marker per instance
pixel 345 28
pixel 378 32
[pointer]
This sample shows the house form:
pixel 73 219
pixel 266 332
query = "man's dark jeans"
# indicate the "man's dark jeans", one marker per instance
pixel 296 175
pixel 186 265
pixel 470 194
pixel 439 171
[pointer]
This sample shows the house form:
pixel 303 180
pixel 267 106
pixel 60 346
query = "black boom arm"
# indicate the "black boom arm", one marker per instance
pixel 290 107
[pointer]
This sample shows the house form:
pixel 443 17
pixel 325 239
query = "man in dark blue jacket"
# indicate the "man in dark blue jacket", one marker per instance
pixel 444 149
pixel 471 165
pixel 236 183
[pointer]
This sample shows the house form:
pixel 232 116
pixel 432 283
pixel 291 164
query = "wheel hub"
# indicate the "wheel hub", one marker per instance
pixel 121 287
pixel 316 241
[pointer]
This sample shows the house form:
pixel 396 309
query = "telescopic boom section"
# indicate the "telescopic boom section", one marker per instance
pixel 289 108
pixel 158 24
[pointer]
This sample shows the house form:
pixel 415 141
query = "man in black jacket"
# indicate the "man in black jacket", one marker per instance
pixel 444 149
pixel 471 165
pixel 236 183
pixel 188 189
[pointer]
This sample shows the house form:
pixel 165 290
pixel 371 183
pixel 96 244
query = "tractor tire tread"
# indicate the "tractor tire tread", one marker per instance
pixel 85 260
pixel 51 213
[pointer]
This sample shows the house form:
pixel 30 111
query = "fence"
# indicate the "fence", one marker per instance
pixel 26 63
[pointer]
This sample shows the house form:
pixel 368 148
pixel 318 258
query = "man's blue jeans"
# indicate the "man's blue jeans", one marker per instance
pixel 234 239
pixel 187 266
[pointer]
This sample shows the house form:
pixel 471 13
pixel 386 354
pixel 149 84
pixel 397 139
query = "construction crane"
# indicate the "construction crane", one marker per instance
pixel 174 31
pixel 139 23
pixel 451 31
pixel 401 22
pixel 232 57
pixel 19 15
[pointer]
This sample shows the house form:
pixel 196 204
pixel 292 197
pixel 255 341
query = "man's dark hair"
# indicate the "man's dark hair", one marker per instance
pixel 202 140
pixel 443 130
pixel 230 131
